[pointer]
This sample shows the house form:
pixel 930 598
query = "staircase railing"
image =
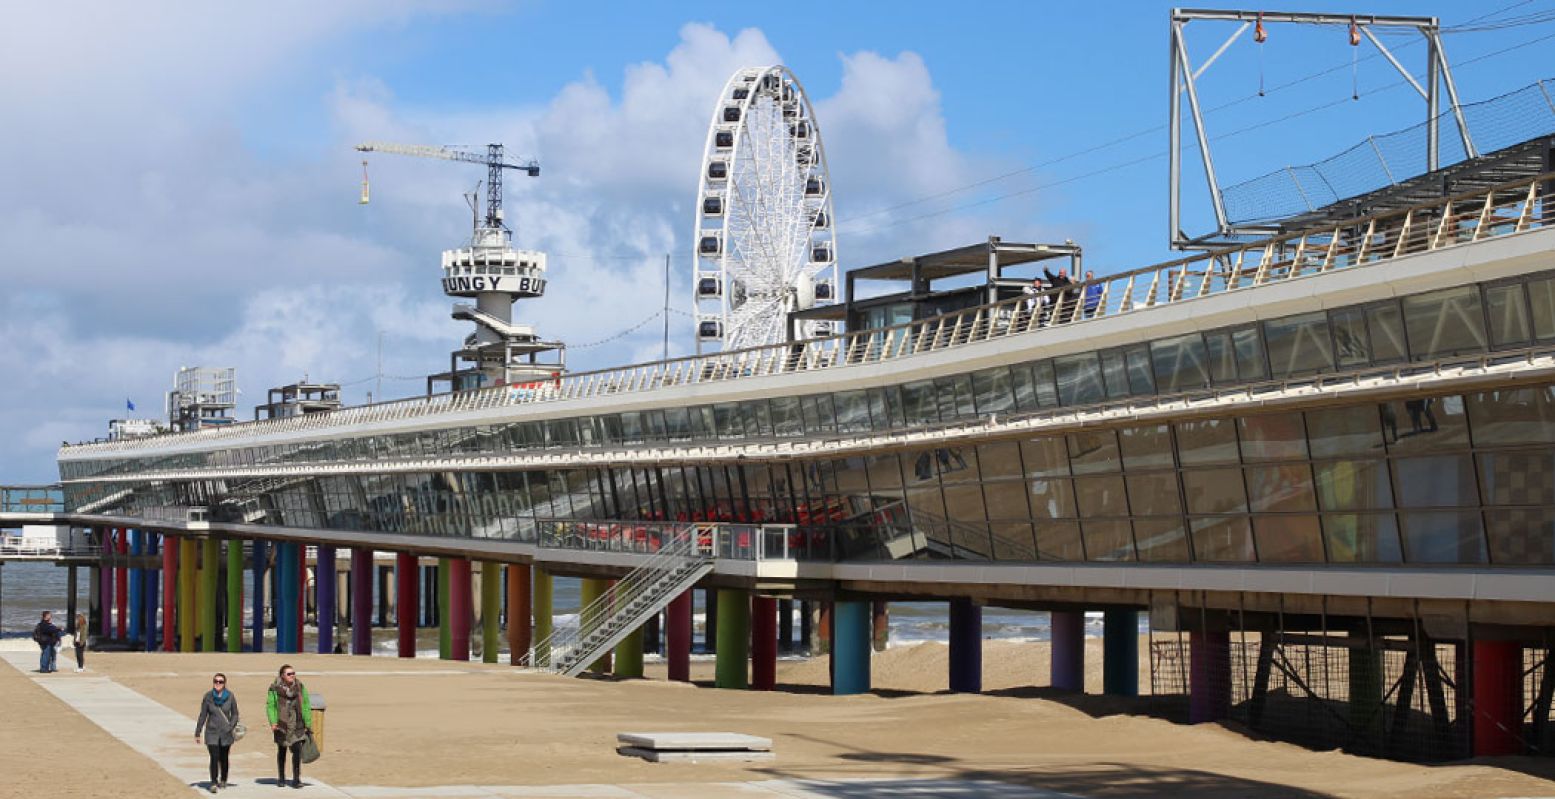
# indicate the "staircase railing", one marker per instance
pixel 680 562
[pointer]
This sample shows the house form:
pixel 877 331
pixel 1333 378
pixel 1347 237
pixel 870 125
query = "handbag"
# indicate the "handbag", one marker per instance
pixel 310 750
pixel 238 730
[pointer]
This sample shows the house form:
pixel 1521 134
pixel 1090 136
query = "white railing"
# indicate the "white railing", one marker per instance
pixel 1505 210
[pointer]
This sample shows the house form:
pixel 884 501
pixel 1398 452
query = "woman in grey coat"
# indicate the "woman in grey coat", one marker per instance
pixel 218 717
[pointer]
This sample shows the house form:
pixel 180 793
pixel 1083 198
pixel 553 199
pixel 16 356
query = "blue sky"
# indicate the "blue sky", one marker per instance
pixel 179 188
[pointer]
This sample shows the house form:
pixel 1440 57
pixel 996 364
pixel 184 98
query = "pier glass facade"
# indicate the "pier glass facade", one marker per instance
pixel 1315 468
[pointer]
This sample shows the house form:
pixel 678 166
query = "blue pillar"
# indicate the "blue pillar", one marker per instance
pixel 288 584
pixel 260 553
pixel 850 647
pixel 324 582
pixel 966 646
pixel 1068 651
pixel 1120 652
pixel 136 582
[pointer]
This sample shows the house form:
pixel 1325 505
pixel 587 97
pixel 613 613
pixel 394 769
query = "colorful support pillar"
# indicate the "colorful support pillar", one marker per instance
pixel 188 556
pixel 361 601
pixel 764 643
pixel 544 585
pixel 324 603
pixel 677 637
pixel 709 620
pixel 407 590
pixel 785 625
pixel 261 559
pixel 148 594
pixel 121 587
pixel 234 595
pixel 445 641
pixel 288 587
pixel 1209 675
pixel 519 611
pixel 629 655
pixel 1120 652
pixel 1498 698
pixel 1367 691
pixel 1068 650
pixel 459 609
pixel 105 581
pixel 733 639
pixel 590 591
pixel 170 548
pixel 135 589
pixel 966 646
pixel 491 611
pixel 850 647
pixel 302 595
pixel 210 584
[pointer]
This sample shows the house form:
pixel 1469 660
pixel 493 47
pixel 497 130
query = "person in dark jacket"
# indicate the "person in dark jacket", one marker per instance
pixel 219 719
pixel 289 711
pixel 1066 296
pixel 46 635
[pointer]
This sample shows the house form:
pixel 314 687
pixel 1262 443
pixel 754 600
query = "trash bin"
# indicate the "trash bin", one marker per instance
pixel 316 723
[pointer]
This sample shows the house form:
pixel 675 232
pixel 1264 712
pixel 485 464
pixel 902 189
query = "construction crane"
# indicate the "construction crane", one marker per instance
pixel 492 156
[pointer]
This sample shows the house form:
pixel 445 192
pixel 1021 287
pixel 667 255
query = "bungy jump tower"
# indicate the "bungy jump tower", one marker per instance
pixel 1306 468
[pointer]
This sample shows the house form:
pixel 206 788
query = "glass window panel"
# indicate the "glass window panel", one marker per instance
pixel 1352 345
pixel 964 509
pixel 955 464
pixel 1521 536
pixel 1024 386
pixel 879 418
pixel 1429 424
pixel 1444 322
pixel 1179 363
pixel 1507 310
pixel 1436 481
pixel 1513 416
pixel 1051 498
pixel 1108 540
pixel 1524 477
pixel 1100 496
pixel 1362 538
pixel 1205 441
pixel 1275 436
pixel 1220 359
pixel 632 427
pixel 653 425
pixel 1443 537
pixel 1386 325
pixel 1214 491
pixel 677 421
pixel 894 413
pixel 919 404
pixel 1012 541
pixel 1280 489
pixel 850 474
pixel 1541 295
pixel 1298 345
pixel 1059 541
pixel 1222 539
pixel 999 459
pixel 726 415
pixel 1046 386
pixel 702 422
pixel 1336 432
pixel 1079 379
pixel 966 406
pixel 1161 540
pixel 1006 500
pixel 1094 452
pixel 1114 373
pixel 1045 456
pixel 1288 539
pixel 885 473
pixel 992 390
pixel 786 418
pixel 1353 485
pixel 1141 378
pixel 1249 353
pixel 1147 447
pixel 1153 494
pixel 852 411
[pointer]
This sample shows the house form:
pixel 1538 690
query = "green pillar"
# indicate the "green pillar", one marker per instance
pixel 188 563
pixel 234 595
pixel 590 592
pixel 542 609
pixel 734 638
pixel 210 584
pixel 445 633
pixel 629 655
pixel 491 610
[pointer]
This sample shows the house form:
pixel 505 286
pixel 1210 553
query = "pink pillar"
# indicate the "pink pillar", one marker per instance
pixel 677 637
pixel 121 584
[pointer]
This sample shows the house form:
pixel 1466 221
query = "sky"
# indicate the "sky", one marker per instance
pixel 178 185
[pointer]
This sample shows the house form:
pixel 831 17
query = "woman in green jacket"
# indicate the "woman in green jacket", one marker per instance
pixel 289 711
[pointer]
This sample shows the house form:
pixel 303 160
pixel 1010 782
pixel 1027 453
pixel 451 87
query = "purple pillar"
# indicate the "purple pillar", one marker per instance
pixel 1069 650
pixel 966 646
pixel 361 601
pixel 105 587
pixel 1209 675
pixel 324 582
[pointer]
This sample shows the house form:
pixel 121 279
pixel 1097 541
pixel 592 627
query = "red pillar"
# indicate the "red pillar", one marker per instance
pixel 169 593
pixel 1498 698
pixel 677 637
pixel 407 582
pixel 763 643
pixel 121 583
pixel 459 610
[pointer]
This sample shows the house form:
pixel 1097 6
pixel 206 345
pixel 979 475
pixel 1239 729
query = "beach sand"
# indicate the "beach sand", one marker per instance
pixel 424 722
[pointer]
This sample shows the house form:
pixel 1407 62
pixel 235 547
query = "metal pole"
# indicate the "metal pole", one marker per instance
pixel 1469 151
pixel 1432 134
pixel 1174 148
pixel 667 306
pixel 1198 126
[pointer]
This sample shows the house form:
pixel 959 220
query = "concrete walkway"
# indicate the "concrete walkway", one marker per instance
pixel 166 738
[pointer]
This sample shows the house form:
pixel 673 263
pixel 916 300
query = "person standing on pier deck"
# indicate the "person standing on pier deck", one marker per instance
pixel 219 719
pixel 79 640
pixel 47 637
pixel 289 711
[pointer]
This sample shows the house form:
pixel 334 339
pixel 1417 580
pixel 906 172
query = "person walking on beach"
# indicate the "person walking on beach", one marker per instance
pixel 46 635
pixel 219 719
pixel 288 709
pixel 79 641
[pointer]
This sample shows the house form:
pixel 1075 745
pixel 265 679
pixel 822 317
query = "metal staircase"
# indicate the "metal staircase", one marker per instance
pixel 644 591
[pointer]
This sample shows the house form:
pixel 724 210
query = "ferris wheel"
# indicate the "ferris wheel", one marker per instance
pixel 765 244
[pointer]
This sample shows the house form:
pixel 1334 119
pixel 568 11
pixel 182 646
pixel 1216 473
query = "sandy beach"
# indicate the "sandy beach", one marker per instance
pixel 424 722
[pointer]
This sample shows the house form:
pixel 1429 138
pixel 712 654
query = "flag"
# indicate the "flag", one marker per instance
pixel 130 406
